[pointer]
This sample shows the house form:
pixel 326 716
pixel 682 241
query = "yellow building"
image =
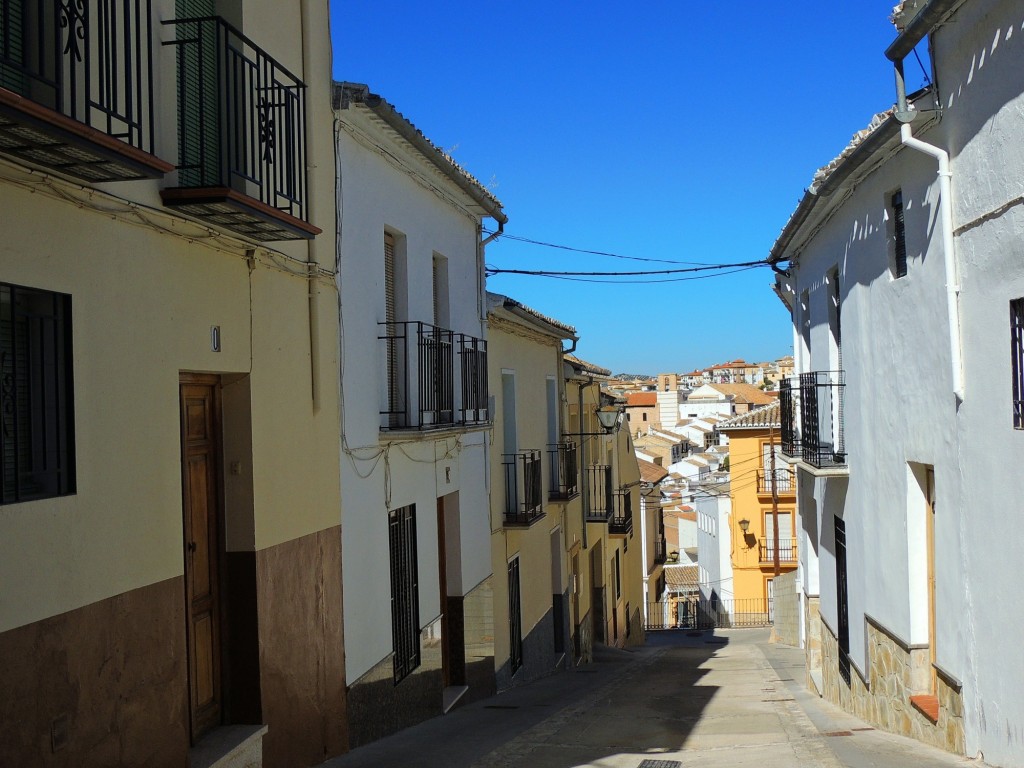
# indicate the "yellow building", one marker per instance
pixel 603 532
pixel 169 537
pixel 534 475
pixel 758 555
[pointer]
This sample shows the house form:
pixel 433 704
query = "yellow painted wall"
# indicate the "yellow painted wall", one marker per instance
pixel 532 357
pixel 750 575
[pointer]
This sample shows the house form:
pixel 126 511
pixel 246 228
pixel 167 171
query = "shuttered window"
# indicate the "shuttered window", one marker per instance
pixel 199 117
pixel 394 395
pixel 12 47
pixel 405 595
pixel 36 403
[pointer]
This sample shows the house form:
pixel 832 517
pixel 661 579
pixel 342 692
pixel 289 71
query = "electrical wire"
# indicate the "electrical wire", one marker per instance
pixel 572 273
pixel 647 282
pixel 531 241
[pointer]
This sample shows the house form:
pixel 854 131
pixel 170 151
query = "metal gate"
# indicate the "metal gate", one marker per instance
pixel 695 612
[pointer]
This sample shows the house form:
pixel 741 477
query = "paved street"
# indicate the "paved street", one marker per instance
pixel 723 698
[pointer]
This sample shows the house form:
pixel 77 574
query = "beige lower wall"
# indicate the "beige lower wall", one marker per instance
pixel 884 700
pixel 812 637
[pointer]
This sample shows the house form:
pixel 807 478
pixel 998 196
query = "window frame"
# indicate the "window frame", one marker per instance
pixel 37 415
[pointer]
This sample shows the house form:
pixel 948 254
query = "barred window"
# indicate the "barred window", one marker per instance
pixel 515 617
pixel 1017 360
pixel 405 596
pixel 899 236
pixel 36 404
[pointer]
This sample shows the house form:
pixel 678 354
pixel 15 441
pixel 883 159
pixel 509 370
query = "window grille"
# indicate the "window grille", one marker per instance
pixel 842 601
pixel 900 234
pixel 1017 360
pixel 515 618
pixel 405 613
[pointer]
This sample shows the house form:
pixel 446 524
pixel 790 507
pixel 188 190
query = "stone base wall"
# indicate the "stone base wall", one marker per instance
pixel 812 635
pixel 786 610
pixel 895 674
pixel 583 640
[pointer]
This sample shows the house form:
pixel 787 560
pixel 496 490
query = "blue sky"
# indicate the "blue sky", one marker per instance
pixel 671 130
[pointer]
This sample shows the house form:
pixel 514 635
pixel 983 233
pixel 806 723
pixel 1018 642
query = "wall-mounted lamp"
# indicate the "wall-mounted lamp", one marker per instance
pixel 744 526
pixel 608 415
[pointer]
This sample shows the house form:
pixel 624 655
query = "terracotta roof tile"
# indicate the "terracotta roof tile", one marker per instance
pixel 681 576
pixel 641 399
pixel 760 418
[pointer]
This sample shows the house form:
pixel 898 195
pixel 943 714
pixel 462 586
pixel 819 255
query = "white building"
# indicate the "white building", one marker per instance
pixel 415 431
pixel 905 424
pixel 713 505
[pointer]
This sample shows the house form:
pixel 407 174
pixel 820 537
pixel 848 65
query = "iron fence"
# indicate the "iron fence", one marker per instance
pixel 696 612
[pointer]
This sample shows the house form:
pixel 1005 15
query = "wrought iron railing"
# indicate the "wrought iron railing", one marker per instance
pixel 621 522
pixel 241 117
pixel 811 407
pixel 473 368
pixel 89 60
pixel 523 501
pixel 600 504
pixel 766 550
pixel 424 387
pixel 784 480
pixel 564 470
pixel 660 550
pixel 695 612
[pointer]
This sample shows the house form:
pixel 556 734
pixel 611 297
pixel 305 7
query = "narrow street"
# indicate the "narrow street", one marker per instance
pixel 722 698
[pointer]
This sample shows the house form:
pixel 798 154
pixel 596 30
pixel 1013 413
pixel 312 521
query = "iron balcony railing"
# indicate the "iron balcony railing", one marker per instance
pixel 87 60
pixel 473 369
pixel 425 389
pixel 564 471
pixel 811 407
pixel 621 523
pixel 787 550
pixel 697 612
pixel 600 504
pixel 523 502
pixel 241 117
pixel 660 550
pixel 784 481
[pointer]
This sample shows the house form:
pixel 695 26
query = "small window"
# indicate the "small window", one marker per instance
pixel 405 595
pixel 37 442
pixel 1017 360
pixel 899 235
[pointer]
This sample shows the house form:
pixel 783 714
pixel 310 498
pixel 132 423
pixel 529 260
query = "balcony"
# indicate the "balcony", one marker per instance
pixel 766 550
pixel 523 504
pixel 241 135
pixel 660 550
pixel 600 504
pixel 423 380
pixel 564 471
pixel 784 481
pixel 621 523
pixel 76 87
pixel 811 407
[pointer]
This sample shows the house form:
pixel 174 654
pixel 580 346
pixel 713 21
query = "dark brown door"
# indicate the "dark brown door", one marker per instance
pixel 200 479
pixel 442 572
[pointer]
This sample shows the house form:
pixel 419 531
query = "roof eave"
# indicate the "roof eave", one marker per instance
pixel 922 24
pixel 360 93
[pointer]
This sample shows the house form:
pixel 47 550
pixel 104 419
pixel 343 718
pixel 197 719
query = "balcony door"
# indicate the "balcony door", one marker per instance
pixel 199 118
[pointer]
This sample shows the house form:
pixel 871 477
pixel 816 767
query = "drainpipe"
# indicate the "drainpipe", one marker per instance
pixel 905 116
pixel 480 278
pixel 312 262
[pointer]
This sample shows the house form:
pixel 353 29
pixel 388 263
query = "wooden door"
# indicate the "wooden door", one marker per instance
pixel 201 480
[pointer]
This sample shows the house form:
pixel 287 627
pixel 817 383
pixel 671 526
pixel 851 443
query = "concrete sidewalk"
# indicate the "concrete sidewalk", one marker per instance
pixel 727 698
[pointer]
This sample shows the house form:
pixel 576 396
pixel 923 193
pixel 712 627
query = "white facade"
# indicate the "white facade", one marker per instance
pixel 713 505
pixel 392 181
pixel 902 418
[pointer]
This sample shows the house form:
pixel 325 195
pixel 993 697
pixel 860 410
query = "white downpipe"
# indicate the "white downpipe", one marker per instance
pixel 948 254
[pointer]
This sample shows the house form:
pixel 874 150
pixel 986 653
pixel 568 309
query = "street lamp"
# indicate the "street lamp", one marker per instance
pixel 608 415
pixel 744 526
